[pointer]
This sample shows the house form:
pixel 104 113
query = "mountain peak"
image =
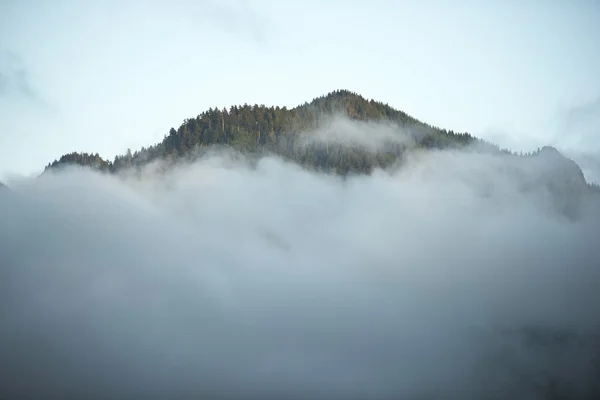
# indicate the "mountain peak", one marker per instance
pixel 549 150
pixel 556 159
pixel 258 130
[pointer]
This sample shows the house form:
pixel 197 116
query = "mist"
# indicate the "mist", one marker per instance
pixel 369 135
pixel 227 279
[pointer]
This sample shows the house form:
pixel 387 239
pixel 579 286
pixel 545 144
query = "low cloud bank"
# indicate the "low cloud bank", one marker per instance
pixel 443 279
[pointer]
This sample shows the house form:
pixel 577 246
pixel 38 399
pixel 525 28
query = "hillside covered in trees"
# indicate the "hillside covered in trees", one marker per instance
pixel 257 130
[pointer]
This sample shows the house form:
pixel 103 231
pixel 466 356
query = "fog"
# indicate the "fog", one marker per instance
pixel 441 279
pixel 370 135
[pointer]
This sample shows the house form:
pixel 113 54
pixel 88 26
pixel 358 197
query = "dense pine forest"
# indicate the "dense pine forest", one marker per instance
pixel 259 130
pixel 256 130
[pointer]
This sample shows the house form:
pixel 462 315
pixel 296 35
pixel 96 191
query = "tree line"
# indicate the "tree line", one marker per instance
pixel 257 130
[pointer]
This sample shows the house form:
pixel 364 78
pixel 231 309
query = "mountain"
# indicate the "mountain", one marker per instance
pixel 303 134
pixel 257 130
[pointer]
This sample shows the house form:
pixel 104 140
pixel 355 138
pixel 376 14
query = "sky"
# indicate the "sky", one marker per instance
pixel 104 76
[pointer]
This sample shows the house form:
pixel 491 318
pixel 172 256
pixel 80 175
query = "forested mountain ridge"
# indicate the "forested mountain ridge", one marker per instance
pixel 259 130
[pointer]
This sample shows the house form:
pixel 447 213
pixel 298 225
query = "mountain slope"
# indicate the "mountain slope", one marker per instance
pixel 319 136
pixel 259 130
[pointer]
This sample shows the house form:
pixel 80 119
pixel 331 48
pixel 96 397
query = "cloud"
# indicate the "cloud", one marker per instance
pixel 374 136
pixel 238 18
pixel 574 131
pixel 589 109
pixel 577 135
pixel 581 127
pixel 444 279
pixel 14 77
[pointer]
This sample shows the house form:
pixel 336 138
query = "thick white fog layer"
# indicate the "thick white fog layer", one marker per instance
pixel 440 280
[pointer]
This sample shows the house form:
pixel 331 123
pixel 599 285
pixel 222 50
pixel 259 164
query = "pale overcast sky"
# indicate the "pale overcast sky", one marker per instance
pixel 102 76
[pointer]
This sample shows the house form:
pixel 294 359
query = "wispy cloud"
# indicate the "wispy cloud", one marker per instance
pixel 578 135
pixel 574 130
pixel 237 18
pixel 579 127
pixel 15 79
pixel 14 75
pixel 590 109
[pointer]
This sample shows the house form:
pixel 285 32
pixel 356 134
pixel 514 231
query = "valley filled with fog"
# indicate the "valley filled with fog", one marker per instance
pixel 456 274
